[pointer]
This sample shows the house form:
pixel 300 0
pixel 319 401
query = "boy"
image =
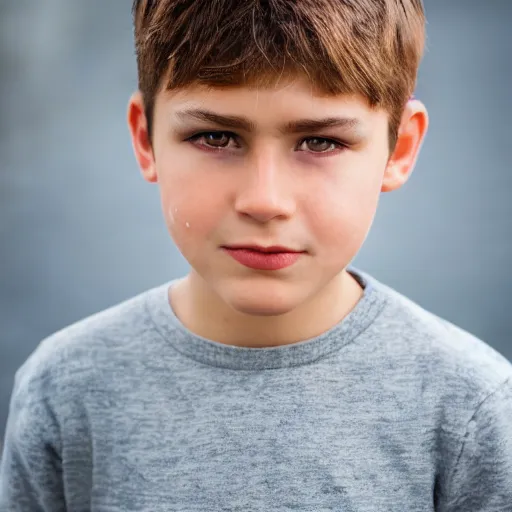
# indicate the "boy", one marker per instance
pixel 273 376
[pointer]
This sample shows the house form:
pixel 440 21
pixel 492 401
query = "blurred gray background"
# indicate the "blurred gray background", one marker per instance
pixel 80 230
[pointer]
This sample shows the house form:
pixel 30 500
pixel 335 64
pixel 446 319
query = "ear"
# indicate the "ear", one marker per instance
pixel 137 123
pixel 411 133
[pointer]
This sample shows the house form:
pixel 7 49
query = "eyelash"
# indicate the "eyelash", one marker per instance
pixel 232 136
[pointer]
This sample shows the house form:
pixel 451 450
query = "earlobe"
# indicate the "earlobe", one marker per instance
pixel 411 134
pixel 137 124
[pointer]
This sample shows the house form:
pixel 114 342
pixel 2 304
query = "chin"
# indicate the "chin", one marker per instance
pixel 262 299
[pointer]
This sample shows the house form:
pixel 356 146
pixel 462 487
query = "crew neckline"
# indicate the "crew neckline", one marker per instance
pixel 220 355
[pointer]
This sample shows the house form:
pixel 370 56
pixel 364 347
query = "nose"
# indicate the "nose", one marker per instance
pixel 265 192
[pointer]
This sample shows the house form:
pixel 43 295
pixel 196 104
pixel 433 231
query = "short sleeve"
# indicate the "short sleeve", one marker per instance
pixel 482 478
pixel 30 469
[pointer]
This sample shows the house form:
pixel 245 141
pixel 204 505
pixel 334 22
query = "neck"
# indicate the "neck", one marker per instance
pixel 205 314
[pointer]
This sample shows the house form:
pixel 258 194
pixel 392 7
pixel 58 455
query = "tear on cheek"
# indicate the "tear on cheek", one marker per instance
pixel 172 212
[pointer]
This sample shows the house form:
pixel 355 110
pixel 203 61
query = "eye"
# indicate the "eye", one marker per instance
pixel 319 145
pixel 214 140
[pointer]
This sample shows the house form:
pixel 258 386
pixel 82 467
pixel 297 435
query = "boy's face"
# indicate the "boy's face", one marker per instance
pixel 268 167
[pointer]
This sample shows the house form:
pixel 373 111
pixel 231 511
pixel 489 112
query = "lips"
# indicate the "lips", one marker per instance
pixel 258 248
pixel 264 258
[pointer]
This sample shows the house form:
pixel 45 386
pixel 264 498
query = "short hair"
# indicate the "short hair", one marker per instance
pixel 367 47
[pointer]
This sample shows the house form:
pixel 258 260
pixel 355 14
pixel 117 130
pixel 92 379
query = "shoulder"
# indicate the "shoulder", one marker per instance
pixel 463 369
pixel 77 354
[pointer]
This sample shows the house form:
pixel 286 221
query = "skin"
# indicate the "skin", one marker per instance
pixel 267 186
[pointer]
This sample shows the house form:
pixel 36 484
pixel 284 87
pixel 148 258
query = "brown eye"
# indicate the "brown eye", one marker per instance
pixel 318 145
pixel 216 139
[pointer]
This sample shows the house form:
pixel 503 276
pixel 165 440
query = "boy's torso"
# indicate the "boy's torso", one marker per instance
pixel 368 418
pixel 309 438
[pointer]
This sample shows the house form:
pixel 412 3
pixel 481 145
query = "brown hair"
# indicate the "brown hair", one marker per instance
pixel 367 47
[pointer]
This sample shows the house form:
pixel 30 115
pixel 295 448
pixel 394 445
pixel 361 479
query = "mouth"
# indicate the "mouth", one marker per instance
pixel 274 249
pixel 263 258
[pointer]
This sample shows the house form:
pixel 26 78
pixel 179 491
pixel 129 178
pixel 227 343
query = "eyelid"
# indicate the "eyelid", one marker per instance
pixel 202 133
pixel 322 137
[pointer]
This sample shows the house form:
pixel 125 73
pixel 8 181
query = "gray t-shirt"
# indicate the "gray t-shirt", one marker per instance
pixel 393 409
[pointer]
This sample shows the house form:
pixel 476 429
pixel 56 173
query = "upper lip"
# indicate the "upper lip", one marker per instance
pixel 260 248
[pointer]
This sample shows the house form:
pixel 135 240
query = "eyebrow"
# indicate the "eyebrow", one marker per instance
pixel 242 123
pixel 313 125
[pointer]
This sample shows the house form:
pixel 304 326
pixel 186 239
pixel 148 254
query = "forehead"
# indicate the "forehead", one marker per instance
pixel 291 98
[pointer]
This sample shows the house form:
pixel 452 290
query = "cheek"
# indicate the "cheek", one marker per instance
pixel 340 214
pixel 190 207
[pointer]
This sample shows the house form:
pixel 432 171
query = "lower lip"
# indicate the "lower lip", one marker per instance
pixel 264 260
